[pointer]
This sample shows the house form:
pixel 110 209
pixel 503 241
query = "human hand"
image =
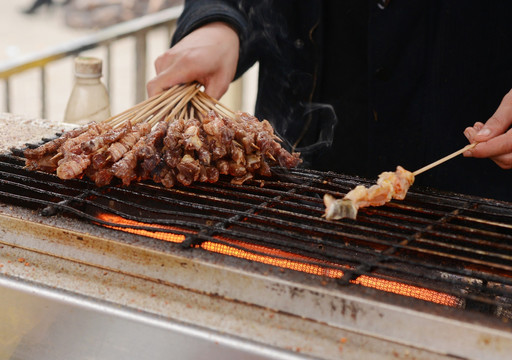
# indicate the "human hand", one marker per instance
pixel 208 55
pixel 494 138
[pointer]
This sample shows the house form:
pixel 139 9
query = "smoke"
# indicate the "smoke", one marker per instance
pixel 315 139
pixel 320 120
pixel 266 26
pixel 306 127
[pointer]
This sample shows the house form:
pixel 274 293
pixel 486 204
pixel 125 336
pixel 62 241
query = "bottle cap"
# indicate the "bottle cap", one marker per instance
pixel 88 67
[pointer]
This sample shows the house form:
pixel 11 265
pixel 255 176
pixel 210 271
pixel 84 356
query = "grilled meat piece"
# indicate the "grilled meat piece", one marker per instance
pixel 189 170
pixel 241 179
pixel 125 168
pixel 51 147
pixel 212 174
pixel 253 162
pixel 164 175
pixel 237 153
pixel 223 166
pixel 264 169
pixel 219 134
pixel 117 150
pixel 47 163
pixel 192 137
pixel 108 137
pixel 74 144
pixel 288 160
pixel 172 157
pixel 174 137
pixel 101 177
pixel 150 152
pixel 236 169
pixel 72 166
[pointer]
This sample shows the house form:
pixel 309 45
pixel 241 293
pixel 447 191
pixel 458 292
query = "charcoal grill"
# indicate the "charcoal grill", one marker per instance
pixel 429 277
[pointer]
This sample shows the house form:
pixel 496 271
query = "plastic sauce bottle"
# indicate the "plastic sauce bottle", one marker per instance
pixel 89 100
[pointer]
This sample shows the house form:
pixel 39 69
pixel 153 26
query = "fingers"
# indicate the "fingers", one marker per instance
pixel 208 55
pixel 470 132
pixel 494 138
pixel 498 149
pixel 478 126
pixel 504 161
pixel 499 122
pixel 171 71
pixel 164 78
pixel 163 81
pixel 163 61
pixel 497 146
pixel 216 86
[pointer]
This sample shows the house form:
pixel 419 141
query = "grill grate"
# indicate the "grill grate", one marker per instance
pixel 457 246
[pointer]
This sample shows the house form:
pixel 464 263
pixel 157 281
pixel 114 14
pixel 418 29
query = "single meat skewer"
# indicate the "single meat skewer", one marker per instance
pixel 389 186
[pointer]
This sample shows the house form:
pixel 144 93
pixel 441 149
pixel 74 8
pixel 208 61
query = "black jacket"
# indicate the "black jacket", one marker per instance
pixel 429 69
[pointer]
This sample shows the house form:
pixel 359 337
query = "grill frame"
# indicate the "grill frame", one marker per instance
pixel 292 200
pixel 337 303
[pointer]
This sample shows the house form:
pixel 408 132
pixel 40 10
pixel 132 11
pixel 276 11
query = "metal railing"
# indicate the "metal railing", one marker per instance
pixel 137 28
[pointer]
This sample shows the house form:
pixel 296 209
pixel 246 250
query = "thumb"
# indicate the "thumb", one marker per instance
pixel 499 123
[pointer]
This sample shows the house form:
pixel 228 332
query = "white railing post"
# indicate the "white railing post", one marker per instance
pixel 140 66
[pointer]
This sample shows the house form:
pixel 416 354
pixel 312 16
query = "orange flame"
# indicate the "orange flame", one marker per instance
pixel 283 259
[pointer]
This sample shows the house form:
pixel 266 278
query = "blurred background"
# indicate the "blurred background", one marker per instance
pixel 38 46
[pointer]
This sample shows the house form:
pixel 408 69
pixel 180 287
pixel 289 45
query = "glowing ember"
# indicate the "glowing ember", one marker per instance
pixel 114 219
pixel 271 260
pixel 408 290
pixel 280 258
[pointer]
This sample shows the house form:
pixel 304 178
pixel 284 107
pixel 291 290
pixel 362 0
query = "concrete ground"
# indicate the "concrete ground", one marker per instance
pixel 22 34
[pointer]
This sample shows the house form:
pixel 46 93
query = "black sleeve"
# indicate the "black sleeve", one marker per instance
pixel 197 13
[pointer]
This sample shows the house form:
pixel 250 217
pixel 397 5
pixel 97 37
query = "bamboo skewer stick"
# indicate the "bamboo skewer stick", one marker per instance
pixel 199 106
pixel 165 103
pixel 146 108
pixel 183 113
pixel 178 100
pixel 446 158
pixel 165 110
pixel 119 118
pixel 183 102
pixel 153 106
pixel 215 101
pixel 211 104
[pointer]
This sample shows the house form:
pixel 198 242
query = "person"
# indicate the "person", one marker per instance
pixel 359 87
pixel 39 3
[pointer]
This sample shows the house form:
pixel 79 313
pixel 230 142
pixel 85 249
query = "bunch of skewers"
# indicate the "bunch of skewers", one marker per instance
pixel 179 136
